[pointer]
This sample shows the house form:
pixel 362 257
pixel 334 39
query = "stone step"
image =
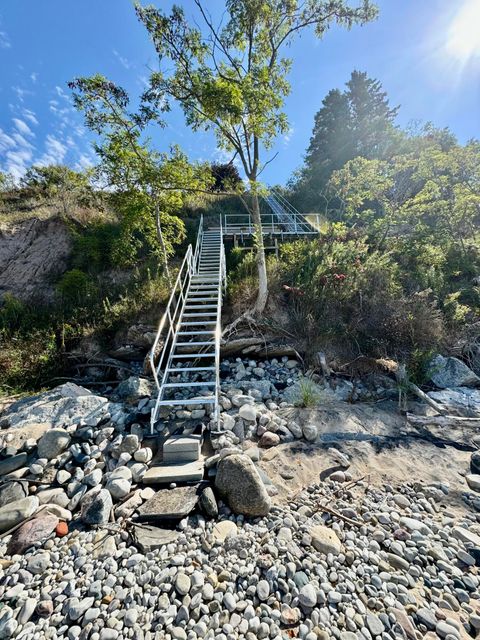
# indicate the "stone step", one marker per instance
pixel 181 472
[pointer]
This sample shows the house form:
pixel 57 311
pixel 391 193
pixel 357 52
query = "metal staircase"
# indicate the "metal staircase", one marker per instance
pixel 187 370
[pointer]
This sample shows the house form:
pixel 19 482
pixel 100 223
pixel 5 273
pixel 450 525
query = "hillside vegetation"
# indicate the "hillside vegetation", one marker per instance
pixel 395 270
pixel 393 273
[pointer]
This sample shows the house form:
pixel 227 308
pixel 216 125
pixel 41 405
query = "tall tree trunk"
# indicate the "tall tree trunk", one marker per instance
pixel 262 294
pixel 162 243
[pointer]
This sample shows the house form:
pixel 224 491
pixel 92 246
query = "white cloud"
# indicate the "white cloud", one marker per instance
pixel 85 161
pixel 288 136
pixel 30 116
pixel 21 141
pixel 6 141
pixel 21 93
pixel 23 127
pixel 126 64
pixel 4 40
pixel 18 161
pixel 55 151
pixel 34 77
pixel 60 92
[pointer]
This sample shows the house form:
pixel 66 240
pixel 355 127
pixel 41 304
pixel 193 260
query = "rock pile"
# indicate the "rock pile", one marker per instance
pixel 394 564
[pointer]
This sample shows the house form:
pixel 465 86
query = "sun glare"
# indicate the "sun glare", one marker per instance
pixel 463 38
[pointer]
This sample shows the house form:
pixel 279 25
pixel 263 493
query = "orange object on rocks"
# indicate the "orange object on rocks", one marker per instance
pixel 61 529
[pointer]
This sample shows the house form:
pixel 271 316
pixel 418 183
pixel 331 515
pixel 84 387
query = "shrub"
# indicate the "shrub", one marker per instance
pixel 76 289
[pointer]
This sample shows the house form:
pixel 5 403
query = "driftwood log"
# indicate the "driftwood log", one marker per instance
pixel 443 421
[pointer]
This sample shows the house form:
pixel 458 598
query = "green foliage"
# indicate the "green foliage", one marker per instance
pixel 149 186
pixel 76 289
pixel 233 80
pixel 94 246
pixel 356 122
pixel 61 185
pixel 308 394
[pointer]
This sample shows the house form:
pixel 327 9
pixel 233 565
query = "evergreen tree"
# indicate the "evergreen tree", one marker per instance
pixel 356 122
pixel 371 118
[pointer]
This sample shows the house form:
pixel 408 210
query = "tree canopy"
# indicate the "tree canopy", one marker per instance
pixel 233 79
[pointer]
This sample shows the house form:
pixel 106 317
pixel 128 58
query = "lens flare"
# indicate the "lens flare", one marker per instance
pixel 463 37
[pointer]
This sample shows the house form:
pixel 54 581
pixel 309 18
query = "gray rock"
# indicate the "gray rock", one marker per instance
pixel 263 590
pixel 149 538
pixel 427 617
pixel 27 610
pixel 13 463
pixel 374 624
pixel 169 504
pixel 307 596
pixel 182 584
pixel 208 503
pixel 238 481
pixel 248 412
pixel 135 388
pixel 325 540
pixel 15 512
pixel 475 462
pixel 451 372
pixel 53 443
pixel 12 491
pixel 96 506
pixel 459 401
pixel 39 563
pixel 65 405
pixel 310 432
pixel 473 481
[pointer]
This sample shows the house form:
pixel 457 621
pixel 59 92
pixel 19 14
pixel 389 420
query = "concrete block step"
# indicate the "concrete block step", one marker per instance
pixel 180 472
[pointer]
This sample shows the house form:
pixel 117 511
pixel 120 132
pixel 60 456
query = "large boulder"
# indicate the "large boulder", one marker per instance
pixel 475 462
pixel 239 482
pixel 451 372
pixel 65 405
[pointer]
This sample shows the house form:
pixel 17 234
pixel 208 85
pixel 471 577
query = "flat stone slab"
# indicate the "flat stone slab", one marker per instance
pixel 181 472
pixel 174 457
pixel 182 443
pixel 169 504
pixel 149 538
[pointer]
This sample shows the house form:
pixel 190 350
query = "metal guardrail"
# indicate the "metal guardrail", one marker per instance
pixel 284 220
pixel 160 356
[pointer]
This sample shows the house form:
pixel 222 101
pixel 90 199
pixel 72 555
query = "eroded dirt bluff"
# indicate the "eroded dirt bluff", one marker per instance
pixel 32 255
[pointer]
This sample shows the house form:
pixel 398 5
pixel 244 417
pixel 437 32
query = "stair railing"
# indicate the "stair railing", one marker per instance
pixel 159 356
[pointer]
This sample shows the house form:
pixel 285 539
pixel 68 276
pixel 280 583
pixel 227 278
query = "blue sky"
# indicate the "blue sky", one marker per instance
pixel 425 63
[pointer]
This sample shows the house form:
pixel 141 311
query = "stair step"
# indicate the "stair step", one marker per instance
pixel 198 315
pixel 192 356
pixel 193 299
pixel 189 369
pixel 194 344
pixel 187 401
pixel 179 472
pixel 195 333
pixel 183 385
pixel 192 323
pixel 201 306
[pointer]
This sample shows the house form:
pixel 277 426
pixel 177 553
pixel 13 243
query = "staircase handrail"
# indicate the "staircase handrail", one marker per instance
pixel 176 300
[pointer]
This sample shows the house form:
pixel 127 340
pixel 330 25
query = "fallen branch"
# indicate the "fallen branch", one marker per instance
pixel 423 396
pixel 337 514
